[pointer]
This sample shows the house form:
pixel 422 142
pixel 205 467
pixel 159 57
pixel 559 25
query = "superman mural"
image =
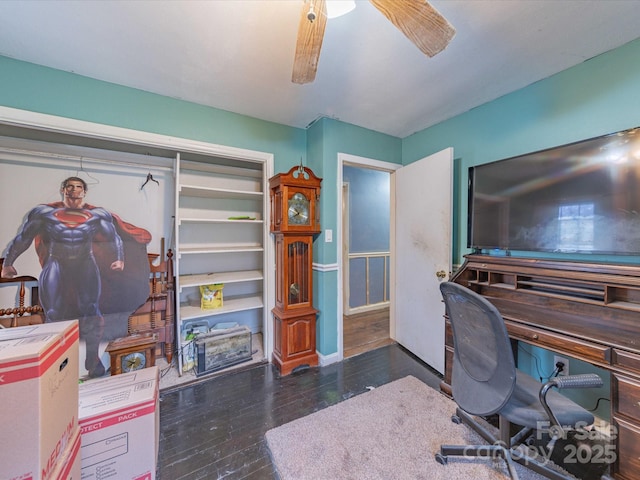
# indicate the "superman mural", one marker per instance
pixel 93 264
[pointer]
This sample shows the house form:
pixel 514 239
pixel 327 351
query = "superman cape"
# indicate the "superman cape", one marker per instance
pixel 122 291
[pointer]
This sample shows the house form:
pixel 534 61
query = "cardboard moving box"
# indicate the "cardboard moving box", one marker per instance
pixel 68 465
pixel 120 426
pixel 39 398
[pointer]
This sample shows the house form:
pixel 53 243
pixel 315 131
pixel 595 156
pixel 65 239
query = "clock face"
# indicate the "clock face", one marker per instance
pixel 298 212
pixel 133 361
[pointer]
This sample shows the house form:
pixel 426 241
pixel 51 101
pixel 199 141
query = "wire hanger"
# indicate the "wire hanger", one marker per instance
pixel 94 180
pixel 149 178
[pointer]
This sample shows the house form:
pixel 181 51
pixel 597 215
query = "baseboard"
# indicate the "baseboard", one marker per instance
pixel 325 360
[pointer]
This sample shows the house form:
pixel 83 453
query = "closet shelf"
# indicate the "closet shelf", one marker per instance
pixel 239 248
pixel 212 192
pixel 237 304
pixel 217 220
pixel 222 169
pixel 196 280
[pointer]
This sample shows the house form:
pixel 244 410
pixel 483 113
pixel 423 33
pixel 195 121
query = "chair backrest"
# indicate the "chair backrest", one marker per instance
pixel 22 314
pixel 484 373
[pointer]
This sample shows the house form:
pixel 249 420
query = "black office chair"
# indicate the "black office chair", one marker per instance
pixel 485 382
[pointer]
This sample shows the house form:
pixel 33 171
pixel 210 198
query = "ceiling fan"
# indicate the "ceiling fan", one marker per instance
pixel 417 19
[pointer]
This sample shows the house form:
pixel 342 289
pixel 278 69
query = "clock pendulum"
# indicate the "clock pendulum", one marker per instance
pixel 295 222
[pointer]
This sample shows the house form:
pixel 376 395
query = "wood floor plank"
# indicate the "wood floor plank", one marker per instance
pixel 215 428
pixel 365 331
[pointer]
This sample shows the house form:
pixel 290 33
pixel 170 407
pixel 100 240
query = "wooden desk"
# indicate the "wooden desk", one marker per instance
pixel 589 311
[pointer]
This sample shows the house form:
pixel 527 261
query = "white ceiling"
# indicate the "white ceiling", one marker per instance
pixel 237 55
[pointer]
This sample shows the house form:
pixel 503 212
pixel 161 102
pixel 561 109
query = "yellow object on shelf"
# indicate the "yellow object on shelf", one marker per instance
pixel 211 296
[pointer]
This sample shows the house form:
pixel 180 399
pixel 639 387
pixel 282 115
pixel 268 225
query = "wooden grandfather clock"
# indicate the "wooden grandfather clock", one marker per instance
pixel 295 220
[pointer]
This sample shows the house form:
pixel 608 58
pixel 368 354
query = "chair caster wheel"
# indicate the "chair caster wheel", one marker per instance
pixel 456 419
pixel 441 459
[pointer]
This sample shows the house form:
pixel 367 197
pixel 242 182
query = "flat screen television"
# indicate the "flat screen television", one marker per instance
pixel 578 198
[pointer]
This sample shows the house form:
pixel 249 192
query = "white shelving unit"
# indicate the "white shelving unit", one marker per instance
pixel 220 237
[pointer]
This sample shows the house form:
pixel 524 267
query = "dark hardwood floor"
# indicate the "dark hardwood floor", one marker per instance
pixel 365 331
pixel 215 429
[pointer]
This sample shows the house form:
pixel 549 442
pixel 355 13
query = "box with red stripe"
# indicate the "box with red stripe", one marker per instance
pixel 68 465
pixel 38 398
pixel 119 423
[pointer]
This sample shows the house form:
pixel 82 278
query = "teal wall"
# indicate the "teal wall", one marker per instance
pixel 594 98
pixel 597 97
pixel 326 138
pixel 40 89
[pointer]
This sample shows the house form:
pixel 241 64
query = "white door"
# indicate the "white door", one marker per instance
pixel 422 246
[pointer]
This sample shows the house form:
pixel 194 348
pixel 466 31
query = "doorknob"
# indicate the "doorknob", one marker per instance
pixel 441 274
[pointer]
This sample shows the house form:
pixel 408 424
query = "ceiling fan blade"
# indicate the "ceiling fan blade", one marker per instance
pixel 420 22
pixel 309 43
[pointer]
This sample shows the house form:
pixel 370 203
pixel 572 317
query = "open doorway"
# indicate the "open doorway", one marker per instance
pixel 420 253
pixel 366 258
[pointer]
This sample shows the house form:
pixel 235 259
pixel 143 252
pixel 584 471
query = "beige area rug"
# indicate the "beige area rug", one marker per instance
pixel 390 432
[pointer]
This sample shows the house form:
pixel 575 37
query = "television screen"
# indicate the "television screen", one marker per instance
pixel 581 198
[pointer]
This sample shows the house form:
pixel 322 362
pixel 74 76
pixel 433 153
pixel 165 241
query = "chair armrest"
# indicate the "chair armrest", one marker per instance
pixel 587 380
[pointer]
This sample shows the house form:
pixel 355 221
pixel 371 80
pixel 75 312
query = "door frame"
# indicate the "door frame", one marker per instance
pixel 370 163
pixel 344 244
